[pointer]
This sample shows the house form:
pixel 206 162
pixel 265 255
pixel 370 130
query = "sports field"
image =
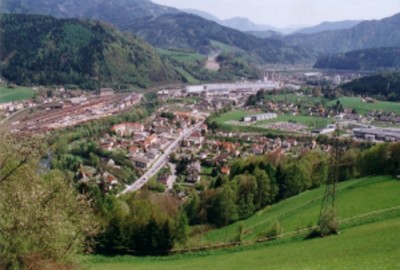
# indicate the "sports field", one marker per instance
pixel 15 94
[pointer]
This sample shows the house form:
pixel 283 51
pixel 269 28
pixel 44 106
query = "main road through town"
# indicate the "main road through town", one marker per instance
pixel 161 161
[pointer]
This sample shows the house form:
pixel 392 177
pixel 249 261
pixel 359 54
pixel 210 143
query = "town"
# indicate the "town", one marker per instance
pixel 205 128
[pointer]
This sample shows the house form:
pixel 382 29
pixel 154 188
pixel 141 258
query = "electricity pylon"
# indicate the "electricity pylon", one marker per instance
pixel 327 222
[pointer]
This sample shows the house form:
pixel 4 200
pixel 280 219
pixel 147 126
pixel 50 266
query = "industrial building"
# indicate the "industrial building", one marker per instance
pixel 227 87
pixel 377 134
pixel 259 117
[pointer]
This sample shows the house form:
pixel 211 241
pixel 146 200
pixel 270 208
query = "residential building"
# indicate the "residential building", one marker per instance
pixel 193 172
pixel 141 162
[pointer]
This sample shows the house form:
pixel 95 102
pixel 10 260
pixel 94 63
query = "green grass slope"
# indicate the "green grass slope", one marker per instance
pixel 357 197
pixel 370 246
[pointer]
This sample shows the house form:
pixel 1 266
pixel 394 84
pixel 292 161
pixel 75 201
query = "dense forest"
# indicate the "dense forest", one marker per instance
pixel 382 86
pixel 43 50
pixel 369 59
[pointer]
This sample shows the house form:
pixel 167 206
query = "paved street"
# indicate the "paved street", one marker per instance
pixel 161 161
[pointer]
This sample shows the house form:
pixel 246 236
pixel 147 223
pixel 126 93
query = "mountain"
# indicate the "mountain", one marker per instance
pixel 43 50
pixel 368 34
pixel 121 13
pixel 328 26
pixel 385 85
pixel 244 24
pixel 368 59
pixel 188 31
pixel 162 26
pixel 266 34
pixel 203 15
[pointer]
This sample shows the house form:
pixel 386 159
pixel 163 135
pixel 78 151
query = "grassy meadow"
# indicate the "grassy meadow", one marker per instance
pixel 362 107
pixel 15 94
pixel 369 236
pixel 369 246
pixel 303 210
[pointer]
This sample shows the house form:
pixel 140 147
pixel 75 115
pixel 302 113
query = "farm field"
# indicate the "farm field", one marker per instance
pixel 369 246
pixel 362 107
pixel 15 94
pixel 303 210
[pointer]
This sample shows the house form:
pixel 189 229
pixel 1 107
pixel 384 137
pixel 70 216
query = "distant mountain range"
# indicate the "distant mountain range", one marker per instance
pixel 43 50
pixel 328 26
pixel 367 34
pixel 368 59
pixel 241 23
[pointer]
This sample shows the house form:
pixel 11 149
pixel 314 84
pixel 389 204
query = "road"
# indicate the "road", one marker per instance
pixel 172 178
pixel 161 161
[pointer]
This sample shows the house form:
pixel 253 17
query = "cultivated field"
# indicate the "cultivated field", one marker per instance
pixel 15 94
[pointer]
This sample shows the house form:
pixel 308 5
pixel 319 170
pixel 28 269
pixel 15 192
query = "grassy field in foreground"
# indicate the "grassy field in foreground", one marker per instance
pixel 15 94
pixel 355 198
pixel 362 107
pixel 370 246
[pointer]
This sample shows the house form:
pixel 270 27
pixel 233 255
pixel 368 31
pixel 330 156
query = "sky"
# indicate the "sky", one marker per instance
pixel 287 13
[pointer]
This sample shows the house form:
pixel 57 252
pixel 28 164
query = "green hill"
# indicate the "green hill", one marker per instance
pixel 369 59
pixel 386 85
pixel 355 198
pixel 44 50
pixel 369 213
pixel 371 246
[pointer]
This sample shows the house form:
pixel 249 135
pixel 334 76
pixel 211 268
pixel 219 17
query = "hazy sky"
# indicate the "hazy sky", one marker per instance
pixel 282 13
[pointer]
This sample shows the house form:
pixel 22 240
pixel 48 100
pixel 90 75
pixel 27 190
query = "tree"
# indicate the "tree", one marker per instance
pixel 43 222
pixel 224 209
pixel 294 181
pixel 266 192
pixel 246 190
